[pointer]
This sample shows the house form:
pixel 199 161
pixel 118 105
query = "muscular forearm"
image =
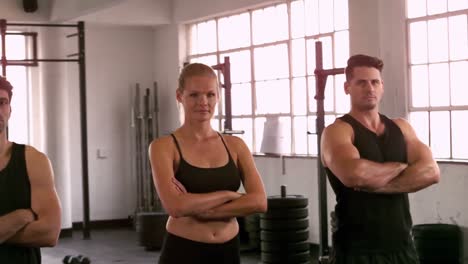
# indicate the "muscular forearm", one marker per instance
pixel 189 204
pixel 12 223
pixel 40 233
pixel 367 174
pixel 414 178
pixel 245 205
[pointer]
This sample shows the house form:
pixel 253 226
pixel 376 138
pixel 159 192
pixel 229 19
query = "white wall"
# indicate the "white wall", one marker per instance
pixel 117 58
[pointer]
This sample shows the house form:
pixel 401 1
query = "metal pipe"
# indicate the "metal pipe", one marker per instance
pixel 18 62
pixel 84 129
pixel 2 33
pixel 322 180
pixel 41 25
pixel 227 94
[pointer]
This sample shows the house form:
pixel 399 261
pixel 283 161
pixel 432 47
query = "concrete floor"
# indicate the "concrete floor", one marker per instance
pixel 113 246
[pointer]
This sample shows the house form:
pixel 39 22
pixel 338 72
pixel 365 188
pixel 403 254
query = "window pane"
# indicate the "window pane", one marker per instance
pixel 215 124
pixel 458 37
pixel 419 86
pixel 300 134
pixel 234 31
pixel 416 8
pixel 244 124
pixel 440 134
pixel 326 16
pixel 15 47
pixel 299 96
pixel 193 39
pixel 241 95
pixel 439 84
pixel 457 4
pixel 341 14
pixel 264 20
pixel 259 125
pixel 312 17
pixel 329 102
pixel 418 42
pixel 298 57
pixel 208 60
pixel 311 124
pixel 297 19
pixel 18 126
pixel 459 134
pixel 272 97
pixel 240 65
pixel 276 55
pixel 284 130
pixel 342 100
pixel 438 40
pixel 206 36
pixel 313 149
pixel 327 51
pixel 312 93
pixel 341 48
pixel 420 123
pixel 436 6
pixel 311 56
pixel 458 81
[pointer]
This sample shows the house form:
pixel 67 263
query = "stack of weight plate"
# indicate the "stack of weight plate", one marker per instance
pixel 252 226
pixel 284 230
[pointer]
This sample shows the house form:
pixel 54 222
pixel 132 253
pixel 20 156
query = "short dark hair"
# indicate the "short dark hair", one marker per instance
pixel 6 85
pixel 361 60
pixel 194 69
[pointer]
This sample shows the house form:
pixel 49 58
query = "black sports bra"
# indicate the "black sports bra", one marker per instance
pixel 204 180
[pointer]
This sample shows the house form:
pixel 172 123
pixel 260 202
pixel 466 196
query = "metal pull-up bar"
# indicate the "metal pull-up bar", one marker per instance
pixel 82 83
pixel 225 69
pixel 321 81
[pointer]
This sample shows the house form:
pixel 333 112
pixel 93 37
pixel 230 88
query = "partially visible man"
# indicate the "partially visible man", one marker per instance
pixel 30 213
pixel 372 162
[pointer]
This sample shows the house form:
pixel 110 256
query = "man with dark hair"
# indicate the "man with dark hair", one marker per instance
pixel 372 163
pixel 29 206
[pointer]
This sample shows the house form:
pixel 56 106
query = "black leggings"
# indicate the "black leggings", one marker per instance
pixel 178 250
pixel 406 255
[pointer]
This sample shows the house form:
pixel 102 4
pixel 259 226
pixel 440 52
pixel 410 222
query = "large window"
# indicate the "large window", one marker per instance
pixel 438 64
pixel 272 54
pixel 18 125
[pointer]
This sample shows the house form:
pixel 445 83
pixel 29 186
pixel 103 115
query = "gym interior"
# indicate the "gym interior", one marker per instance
pixel 81 109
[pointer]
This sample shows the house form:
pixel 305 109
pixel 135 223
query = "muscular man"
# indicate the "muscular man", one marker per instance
pixel 373 162
pixel 29 206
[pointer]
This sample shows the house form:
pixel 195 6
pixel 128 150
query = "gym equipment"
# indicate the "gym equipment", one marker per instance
pixel 438 243
pixel 225 69
pixel 34 62
pixel 252 226
pixel 150 217
pixel 285 230
pixel 321 81
pixel 80 259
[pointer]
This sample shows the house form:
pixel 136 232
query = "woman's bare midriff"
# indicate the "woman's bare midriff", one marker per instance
pixel 203 231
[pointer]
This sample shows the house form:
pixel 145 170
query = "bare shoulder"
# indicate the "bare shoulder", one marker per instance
pixel 338 129
pixel 34 156
pixel 161 142
pixel 235 143
pixel 404 126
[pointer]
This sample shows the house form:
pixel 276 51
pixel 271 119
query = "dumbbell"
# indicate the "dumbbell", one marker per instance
pixel 76 260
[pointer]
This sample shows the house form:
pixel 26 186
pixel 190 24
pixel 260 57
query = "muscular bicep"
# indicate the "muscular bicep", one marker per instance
pixel 416 150
pixel 338 152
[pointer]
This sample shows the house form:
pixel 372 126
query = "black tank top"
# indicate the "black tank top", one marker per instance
pixel 15 193
pixel 372 222
pixel 204 180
